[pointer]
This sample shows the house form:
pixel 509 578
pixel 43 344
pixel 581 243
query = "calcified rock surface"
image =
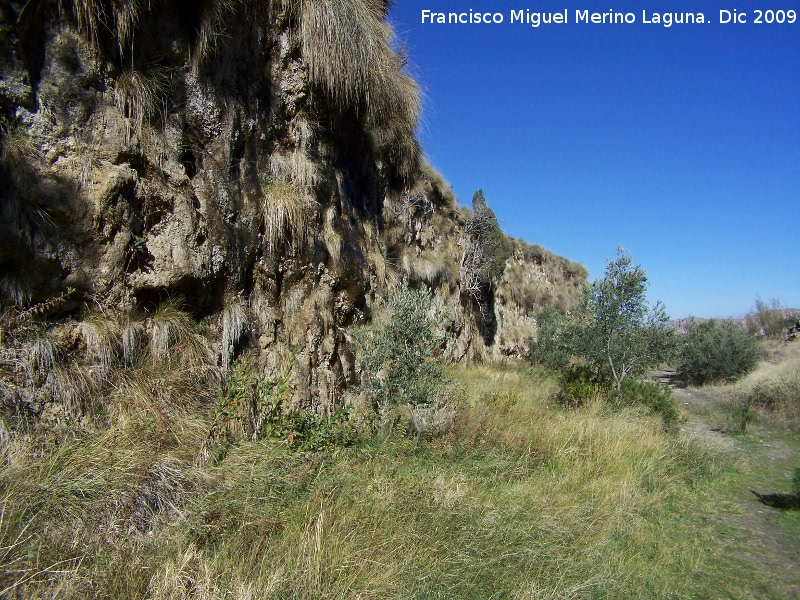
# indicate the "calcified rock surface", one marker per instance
pixel 203 153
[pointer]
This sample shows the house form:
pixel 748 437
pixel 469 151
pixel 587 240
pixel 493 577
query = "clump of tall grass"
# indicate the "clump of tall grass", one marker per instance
pixel 286 211
pixel 773 389
pixel 140 96
pixel 346 46
pixel 15 287
pixel 22 209
pixel 234 324
pixel 214 21
pixel 175 337
pixel 294 167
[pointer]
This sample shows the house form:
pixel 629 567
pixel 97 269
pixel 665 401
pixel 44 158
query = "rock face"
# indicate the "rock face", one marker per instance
pixel 255 161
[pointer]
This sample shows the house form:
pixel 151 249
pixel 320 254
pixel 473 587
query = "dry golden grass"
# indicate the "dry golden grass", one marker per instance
pixel 286 211
pixel 234 324
pixel 141 96
pixel 774 387
pixel 366 77
pixel 520 499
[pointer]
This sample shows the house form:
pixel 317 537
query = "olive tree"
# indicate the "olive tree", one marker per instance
pixel 717 351
pixel 397 354
pixel 622 334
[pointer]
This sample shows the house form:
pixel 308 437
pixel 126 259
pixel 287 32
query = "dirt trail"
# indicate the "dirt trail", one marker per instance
pixel 764 456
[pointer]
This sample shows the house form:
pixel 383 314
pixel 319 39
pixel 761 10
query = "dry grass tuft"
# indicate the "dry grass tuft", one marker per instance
pixel 346 46
pixel 234 324
pixel 216 15
pixel 96 19
pixel 286 211
pixel 102 337
pixel 169 326
pixel 141 97
pixel 432 269
pixel 15 287
pixel 132 338
pixel 294 167
pixel 21 198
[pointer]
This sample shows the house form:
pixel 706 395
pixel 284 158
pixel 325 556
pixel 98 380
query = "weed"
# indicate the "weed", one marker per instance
pixel 251 407
pixel 742 414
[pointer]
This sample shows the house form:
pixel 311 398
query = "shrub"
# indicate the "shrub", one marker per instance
pixel 550 347
pixel 713 351
pixel 397 356
pixel 657 399
pixel 486 248
pixel 581 385
pixel 770 320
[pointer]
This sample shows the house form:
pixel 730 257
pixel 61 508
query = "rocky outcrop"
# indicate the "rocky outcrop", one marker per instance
pixel 240 158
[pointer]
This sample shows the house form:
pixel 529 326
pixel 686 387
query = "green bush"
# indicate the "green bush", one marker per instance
pixel 656 398
pixel 551 347
pixel 397 355
pixel 620 334
pixel 713 351
pixel 581 385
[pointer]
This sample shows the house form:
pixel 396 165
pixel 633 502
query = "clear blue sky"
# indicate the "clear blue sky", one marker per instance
pixel 681 144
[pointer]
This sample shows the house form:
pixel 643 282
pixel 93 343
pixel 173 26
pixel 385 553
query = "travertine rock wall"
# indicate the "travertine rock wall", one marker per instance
pixel 161 169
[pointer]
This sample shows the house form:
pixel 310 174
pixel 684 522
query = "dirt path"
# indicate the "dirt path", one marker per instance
pixel 764 459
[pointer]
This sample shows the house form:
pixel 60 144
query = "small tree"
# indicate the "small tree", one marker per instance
pixel 622 335
pixel 713 351
pixel 397 356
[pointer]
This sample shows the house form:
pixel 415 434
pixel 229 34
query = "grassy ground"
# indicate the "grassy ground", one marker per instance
pixel 765 456
pixel 522 499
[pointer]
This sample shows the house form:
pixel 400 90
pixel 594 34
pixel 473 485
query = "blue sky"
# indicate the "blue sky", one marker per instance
pixel 681 144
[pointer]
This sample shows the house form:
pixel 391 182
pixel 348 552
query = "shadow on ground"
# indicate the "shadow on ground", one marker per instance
pixel 782 501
